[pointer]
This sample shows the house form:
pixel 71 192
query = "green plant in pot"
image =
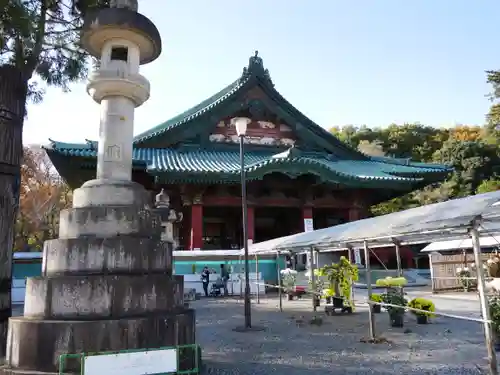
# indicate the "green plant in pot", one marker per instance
pixel 288 280
pixel 396 314
pixel 494 304
pixel 377 298
pixel 422 304
pixel 317 290
pixel 466 279
pixel 340 277
pixel 328 293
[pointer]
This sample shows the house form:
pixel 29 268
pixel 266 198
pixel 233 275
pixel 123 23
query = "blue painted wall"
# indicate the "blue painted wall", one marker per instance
pixel 267 267
pixel 24 270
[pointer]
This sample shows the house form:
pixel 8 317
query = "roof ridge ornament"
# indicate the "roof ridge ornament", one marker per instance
pixel 291 153
pixel 256 68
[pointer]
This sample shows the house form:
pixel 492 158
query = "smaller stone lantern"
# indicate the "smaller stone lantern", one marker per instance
pixel 170 218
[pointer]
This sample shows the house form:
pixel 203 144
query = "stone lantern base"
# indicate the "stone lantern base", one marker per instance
pixel 106 285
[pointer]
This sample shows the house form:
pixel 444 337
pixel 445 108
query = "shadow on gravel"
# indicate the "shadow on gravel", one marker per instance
pixel 355 368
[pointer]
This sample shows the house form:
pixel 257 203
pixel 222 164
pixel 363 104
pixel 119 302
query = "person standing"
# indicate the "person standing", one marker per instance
pixel 205 279
pixel 224 274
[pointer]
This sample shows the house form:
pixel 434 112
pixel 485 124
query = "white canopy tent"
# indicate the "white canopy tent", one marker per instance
pixel 435 222
pixel 463 218
pixel 462 244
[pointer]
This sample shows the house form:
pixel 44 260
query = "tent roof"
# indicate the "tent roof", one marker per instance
pixel 435 222
pixel 461 244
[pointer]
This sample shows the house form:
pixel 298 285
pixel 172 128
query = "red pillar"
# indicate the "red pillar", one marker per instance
pixel 307 213
pixel 251 224
pixel 196 242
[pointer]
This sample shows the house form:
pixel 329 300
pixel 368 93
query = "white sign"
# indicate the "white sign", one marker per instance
pixel 308 225
pixel 132 363
pixel 357 256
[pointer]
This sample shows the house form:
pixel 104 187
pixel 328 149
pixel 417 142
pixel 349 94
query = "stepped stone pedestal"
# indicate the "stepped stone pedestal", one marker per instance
pixel 107 285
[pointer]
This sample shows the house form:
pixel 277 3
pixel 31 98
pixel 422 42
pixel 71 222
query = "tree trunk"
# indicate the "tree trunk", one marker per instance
pixel 13 91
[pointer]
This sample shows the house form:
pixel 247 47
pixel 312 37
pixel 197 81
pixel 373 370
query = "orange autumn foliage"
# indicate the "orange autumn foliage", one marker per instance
pixel 43 194
pixel 467 133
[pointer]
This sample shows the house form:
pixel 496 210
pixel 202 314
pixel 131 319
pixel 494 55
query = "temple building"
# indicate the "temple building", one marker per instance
pixel 296 170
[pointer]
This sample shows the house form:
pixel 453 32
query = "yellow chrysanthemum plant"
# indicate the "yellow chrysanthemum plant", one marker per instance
pixel 392 282
pixel 340 277
pixel 422 304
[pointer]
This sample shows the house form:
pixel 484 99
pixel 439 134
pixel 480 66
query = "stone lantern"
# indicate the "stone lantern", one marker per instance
pixel 170 218
pixel 107 282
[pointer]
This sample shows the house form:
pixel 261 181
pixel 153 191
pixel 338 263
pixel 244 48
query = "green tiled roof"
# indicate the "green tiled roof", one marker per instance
pixel 254 74
pixel 333 162
pixel 224 165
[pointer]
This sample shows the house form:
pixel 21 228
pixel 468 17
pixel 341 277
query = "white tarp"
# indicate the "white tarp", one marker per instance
pixel 434 222
pixel 461 244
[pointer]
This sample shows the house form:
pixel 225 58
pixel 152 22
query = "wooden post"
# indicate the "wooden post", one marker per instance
pixel 278 271
pixel 485 308
pixel 371 318
pixel 350 256
pixel 398 259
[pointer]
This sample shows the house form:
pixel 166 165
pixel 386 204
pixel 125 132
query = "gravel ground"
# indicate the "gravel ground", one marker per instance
pixel 288 346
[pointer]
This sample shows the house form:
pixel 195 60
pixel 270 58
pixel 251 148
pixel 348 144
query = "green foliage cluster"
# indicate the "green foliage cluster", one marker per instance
pixel 394 297
pixel 375 297
pixel 41 38
pixel 340 277
pixel 494 305
pixel 422 304
pixel 473 152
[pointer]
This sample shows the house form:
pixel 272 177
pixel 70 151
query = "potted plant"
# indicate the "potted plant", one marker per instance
pixel 465 277
pixel 375 297
pixel 340 277
pixel 317 291
pixel 328 293
pixel 392 282
pixel 494 304
pixel 396 314
pixel 422 304
pixel 288 280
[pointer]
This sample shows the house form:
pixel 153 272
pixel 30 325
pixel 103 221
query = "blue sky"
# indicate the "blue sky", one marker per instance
pixel 340 62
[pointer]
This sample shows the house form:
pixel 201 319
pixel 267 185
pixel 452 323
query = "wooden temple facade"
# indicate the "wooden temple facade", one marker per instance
pixel 299 175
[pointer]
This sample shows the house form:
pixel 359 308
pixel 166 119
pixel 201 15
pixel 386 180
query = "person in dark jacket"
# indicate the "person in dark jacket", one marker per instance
pixel 224 274
pixel 205 279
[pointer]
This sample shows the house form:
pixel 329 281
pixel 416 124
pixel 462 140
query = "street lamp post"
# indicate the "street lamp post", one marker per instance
pixel 241 124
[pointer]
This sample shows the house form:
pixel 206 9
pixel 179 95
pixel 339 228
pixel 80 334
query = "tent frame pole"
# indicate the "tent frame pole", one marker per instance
pixel 485 308
pixel 350 256
pixel 397 248
pixel 278 271
pixel 371 317
pixel 257 279
pixel 313 277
